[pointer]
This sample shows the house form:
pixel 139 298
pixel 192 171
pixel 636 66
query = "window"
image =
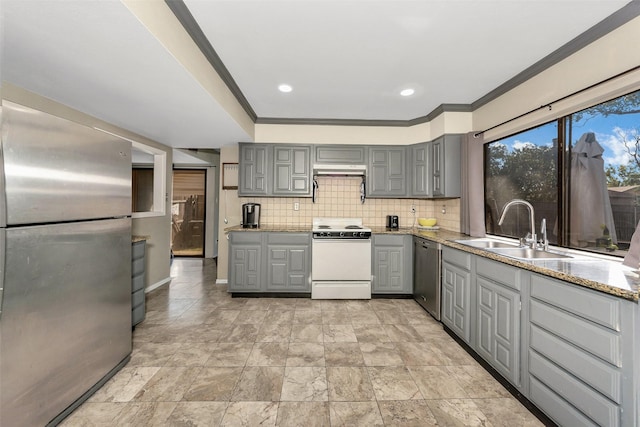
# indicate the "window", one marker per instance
pixel 523 166
pixel 148 180
pixel 581 173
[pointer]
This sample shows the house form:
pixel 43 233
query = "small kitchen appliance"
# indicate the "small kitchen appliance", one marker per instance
pixel 392 222
pixel 251 215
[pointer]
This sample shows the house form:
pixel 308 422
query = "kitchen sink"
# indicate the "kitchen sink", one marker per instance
pixel 528 253
pixel 486 244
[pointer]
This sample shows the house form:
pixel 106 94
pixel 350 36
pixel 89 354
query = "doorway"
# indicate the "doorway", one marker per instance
pixel 188 212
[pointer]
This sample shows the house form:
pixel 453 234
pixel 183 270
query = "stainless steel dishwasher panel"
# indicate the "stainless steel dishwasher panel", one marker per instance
pixel 427 274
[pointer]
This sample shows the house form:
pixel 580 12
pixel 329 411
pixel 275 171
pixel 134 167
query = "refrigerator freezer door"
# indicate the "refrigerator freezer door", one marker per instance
pixel 66 314
pixel 56 170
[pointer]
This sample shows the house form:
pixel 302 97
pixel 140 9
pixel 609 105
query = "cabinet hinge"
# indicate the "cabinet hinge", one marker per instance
pixel 520 305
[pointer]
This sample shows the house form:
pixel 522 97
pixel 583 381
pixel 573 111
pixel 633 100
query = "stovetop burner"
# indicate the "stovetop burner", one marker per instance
pixel 339 228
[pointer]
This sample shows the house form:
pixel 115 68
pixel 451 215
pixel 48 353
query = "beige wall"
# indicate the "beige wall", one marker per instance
pixel 162 23
pixel 606 57
pixel 449 122
pixel 229 213
pixel 157 228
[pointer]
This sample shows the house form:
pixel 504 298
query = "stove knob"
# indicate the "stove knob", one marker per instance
pixel 362 234
pixel 355 234
pixel 342 234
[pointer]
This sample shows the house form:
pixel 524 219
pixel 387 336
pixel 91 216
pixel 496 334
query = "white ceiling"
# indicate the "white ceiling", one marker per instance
pixel 346 59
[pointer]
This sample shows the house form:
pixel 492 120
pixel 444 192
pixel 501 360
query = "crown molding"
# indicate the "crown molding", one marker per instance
pixel 190 25
pixel 617 19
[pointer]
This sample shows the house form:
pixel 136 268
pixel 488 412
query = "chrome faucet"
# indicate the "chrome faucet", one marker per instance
pixel 531 237
pixel 543 229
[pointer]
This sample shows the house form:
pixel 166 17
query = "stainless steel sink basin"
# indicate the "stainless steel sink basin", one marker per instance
pixel 486 244
pixel 528 253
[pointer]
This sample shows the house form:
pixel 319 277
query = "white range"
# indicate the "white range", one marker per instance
pixel 340 259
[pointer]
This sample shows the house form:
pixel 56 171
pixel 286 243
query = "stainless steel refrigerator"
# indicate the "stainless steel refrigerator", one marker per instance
pixel 65 260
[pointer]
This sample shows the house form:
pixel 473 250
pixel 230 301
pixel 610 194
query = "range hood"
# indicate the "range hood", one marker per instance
pixel 339 170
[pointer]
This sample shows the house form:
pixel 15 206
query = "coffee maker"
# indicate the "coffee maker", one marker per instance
pixel 392 222
pixel 251 215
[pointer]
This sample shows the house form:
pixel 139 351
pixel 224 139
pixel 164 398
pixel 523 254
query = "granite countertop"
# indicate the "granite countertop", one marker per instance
pixel 282 228
pixel 605 275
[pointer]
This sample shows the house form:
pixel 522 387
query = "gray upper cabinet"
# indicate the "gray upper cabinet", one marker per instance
pixel 274 170
pixel 386 175
pixel 420 170
pixel 445 166
pixel 392 264
pixel 340 154
pixel 253 169
pixel 291 170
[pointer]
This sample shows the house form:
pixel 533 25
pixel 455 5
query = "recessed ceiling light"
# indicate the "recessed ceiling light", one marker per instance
pixel 407 92
pixel 285 88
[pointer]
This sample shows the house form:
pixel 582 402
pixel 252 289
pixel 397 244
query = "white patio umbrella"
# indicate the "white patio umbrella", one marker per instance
pixel 590 204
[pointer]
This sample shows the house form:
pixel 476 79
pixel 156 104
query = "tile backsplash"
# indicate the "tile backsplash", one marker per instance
pixel 340 197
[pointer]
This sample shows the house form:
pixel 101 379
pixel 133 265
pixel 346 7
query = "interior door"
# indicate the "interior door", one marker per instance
pixel 188 209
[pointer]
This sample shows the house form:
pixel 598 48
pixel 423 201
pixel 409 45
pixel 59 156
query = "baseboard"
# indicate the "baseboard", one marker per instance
pixel 157 285
pixel 222 281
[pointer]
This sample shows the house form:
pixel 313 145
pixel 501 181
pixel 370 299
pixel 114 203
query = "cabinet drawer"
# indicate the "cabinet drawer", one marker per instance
pixel 137 283
pixel 589 402
pixel 137 250
pixel 599 375
pixel 246 237
pixel 388 240
pixel 498 272
pixel 137 267
pixel 288 238
pixel 591 305
pixel 590 337
pixel 137 298
pixel 459 258
pixel 137 315
pixel 557 408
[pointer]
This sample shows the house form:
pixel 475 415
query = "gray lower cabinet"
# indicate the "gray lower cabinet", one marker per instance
pixel 291 170
pixel 570 350
pixel 386 176
pixel 245 262
pixel 288 262
pixel 392 264
pixel 269 262
pixel 497 322
pixel 138 256
pixel 456 292
pixel 581 355
pixel 253 170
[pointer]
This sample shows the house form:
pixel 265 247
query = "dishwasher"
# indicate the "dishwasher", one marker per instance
pixel 426 271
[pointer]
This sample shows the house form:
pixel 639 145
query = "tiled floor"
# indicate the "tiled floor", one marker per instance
pixel 203 358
